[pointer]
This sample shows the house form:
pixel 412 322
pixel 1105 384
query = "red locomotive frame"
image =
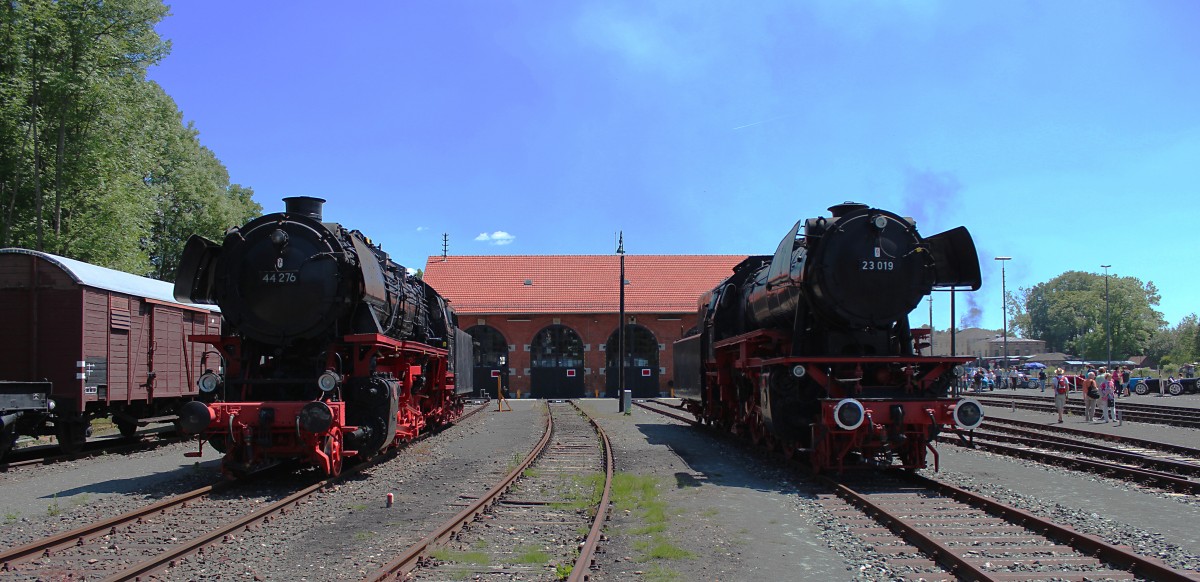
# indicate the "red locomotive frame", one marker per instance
pixel 426 399
pixel 755 355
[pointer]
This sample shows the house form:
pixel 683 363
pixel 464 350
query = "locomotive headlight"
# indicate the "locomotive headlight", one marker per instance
pixel 208 382
pixel 879 221
pixel 328 381
pixel 959 370
pixel 279 238
pixel 968 414
pixel 849 414
pixel 50 404
pixel 315 417
pixel 799 371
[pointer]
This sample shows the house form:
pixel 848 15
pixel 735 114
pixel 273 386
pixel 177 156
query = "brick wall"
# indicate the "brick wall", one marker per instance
pixel 593 329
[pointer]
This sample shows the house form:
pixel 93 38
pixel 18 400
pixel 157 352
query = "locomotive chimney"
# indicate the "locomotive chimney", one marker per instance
pixel 839 210
pixel 304 205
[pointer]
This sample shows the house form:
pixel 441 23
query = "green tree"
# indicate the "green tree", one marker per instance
pixel 1068 313
pixel 95 160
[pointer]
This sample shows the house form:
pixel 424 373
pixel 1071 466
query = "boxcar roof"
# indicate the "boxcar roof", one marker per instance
pixel 91 275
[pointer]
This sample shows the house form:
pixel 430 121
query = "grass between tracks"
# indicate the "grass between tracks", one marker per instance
pixel 637 496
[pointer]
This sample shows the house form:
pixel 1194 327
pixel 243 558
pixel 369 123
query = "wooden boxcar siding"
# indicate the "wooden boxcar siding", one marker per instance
pixel 153 339
pixel 119 349
pixel 43 312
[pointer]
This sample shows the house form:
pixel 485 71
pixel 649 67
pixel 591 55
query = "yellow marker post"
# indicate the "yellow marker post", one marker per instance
pixel 501 401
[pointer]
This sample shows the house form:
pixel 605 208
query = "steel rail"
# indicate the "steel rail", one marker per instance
pixel 583 565
pixel 939 552
pixel 1143 566
pixel 75 536
pixel 691 421
pixel 79 535
pixel 410 559
pixel 1101 436
pixel 1161 480
pixel 1165 466
pixel 108 445
pixel 175 552
pixel 1148 417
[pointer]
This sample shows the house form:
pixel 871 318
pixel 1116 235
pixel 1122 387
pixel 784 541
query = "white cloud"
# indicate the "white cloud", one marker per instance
pixel 498 238
pixel 422 228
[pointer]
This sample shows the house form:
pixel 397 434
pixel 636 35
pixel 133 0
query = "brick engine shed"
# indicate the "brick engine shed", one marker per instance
pixel 546 325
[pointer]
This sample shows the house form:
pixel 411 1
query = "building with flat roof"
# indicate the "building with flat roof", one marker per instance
pixel 547 325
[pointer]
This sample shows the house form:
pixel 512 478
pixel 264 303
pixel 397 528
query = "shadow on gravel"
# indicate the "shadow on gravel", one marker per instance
pixel 716 462
pixel 187 476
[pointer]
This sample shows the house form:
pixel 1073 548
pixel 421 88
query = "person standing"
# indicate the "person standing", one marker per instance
pixel 1090 395
pixel 1013 376
pixel 1060 393
pixel 1042 379
pixel 1108 397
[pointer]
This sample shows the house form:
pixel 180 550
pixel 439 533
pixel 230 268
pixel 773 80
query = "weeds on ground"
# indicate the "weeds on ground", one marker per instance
pixel 639 494
pixel 657 573
pixel 53 509
pixel 358 507
pixel 531 555
pixel 11 517
pixel 584 492
pixel 531 473
pixel 449 555
pixel 363 536
pixel 563 571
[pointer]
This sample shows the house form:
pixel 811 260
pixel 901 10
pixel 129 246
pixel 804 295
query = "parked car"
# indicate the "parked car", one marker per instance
pixel 1174 387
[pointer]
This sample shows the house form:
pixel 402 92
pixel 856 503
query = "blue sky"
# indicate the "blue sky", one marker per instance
pixel 1065 134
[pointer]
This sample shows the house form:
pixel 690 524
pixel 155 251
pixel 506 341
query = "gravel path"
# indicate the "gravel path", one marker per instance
pixel 727 515
pixel 347 532
pixel 689 505
pixel 39 501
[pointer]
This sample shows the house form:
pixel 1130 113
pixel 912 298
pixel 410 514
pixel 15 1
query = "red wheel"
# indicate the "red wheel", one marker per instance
pixel 333 450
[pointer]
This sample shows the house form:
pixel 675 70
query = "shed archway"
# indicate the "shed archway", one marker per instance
pixel 556 363
pixel 641 363
pixel 491 360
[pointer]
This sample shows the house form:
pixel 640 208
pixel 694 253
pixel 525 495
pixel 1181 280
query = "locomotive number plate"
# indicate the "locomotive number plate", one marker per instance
pixel 279 277
pixel 878 265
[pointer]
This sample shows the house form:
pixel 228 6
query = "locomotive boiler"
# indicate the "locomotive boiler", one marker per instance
pixel 810 349
pixel 329 349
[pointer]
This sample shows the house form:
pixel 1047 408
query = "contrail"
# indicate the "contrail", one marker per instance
pixel 761 122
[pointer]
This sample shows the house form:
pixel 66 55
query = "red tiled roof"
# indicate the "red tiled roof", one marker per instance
pixel 576 283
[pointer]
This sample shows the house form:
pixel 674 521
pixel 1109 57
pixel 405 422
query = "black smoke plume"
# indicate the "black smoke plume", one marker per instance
pixel 973 315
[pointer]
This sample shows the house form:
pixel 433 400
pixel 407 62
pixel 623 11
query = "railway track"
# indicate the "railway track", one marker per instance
pixel 155 537
pixel 114 445
pixel 935 531
pixel 1170 467
pixel 539 498
pixel 534 515
pixel 1179 416
pixel 920 522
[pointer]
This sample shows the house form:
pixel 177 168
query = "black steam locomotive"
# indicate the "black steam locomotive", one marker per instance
pixel 328 348
pixel 810 349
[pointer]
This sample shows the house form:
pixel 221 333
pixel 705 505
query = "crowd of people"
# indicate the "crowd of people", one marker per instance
pixel 1099 387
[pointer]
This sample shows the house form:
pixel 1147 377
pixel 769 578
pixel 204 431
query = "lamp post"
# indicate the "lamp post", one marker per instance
pixel 1004 306
pixel 621 330
pixel 1107 325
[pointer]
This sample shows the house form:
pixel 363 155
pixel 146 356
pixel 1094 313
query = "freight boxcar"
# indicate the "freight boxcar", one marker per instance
pixel 81 342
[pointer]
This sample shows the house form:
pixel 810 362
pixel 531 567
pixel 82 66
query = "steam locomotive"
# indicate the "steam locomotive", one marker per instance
pixel 811 350
pixel 328 350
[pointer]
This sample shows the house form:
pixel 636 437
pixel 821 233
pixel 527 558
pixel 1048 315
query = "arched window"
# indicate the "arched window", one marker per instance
pixel 556 346
pixel 490 346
